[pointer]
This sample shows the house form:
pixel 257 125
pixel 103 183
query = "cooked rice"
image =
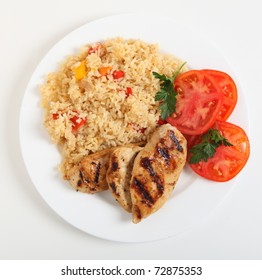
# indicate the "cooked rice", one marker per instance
pixel 112 118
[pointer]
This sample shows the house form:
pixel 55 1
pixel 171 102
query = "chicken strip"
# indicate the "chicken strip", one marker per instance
pixel 156 171
pixel 89 175
pixel 119 174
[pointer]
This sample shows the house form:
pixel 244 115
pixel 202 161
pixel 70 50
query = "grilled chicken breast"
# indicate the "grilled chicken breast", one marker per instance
pixel 89 175
pixel 118 175
pixel 156 170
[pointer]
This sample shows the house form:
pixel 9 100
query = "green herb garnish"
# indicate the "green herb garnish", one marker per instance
pixel 167 93
pixel 206 149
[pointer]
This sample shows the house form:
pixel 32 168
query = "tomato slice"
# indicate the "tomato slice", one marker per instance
pixel 199 100
pixel 228 161
pixel 229 90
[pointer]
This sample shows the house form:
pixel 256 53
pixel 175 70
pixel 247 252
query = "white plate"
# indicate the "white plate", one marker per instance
pixel 192 200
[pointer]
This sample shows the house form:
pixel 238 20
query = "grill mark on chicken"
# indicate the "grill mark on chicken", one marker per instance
pixel 137 212
pixel 98 167
pixel 175 140
pixel 140 188
pixel 83 178
pixel 113 187
pixel 159 186
pixel 164 153
pixel 114 166
pixel 145 162
pixel 81 175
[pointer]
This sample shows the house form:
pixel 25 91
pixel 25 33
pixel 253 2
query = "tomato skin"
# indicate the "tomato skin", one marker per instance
pixel 229 90
pixel 228 161
pixel 199 100
pixel 55 116
pixel 118 74
pixel 94 49
pixel 77 123
pixel 129 91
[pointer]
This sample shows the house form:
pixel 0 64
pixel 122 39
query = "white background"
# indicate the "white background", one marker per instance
pixel 28 228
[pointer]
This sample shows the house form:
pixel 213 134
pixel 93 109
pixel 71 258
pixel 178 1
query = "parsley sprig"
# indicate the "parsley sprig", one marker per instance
pixel 167 94
pixel 206 149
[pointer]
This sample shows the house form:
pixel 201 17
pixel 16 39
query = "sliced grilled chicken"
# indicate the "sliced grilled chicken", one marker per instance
pixel 156 170
pixel 119 173
pixel 89 175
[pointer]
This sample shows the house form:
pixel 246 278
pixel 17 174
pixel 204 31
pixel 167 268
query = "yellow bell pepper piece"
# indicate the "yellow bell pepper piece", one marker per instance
pixel 80 71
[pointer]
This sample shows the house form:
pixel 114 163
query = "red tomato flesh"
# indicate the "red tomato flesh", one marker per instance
pixel 229 90
pixel 199 101
pixel 228 161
